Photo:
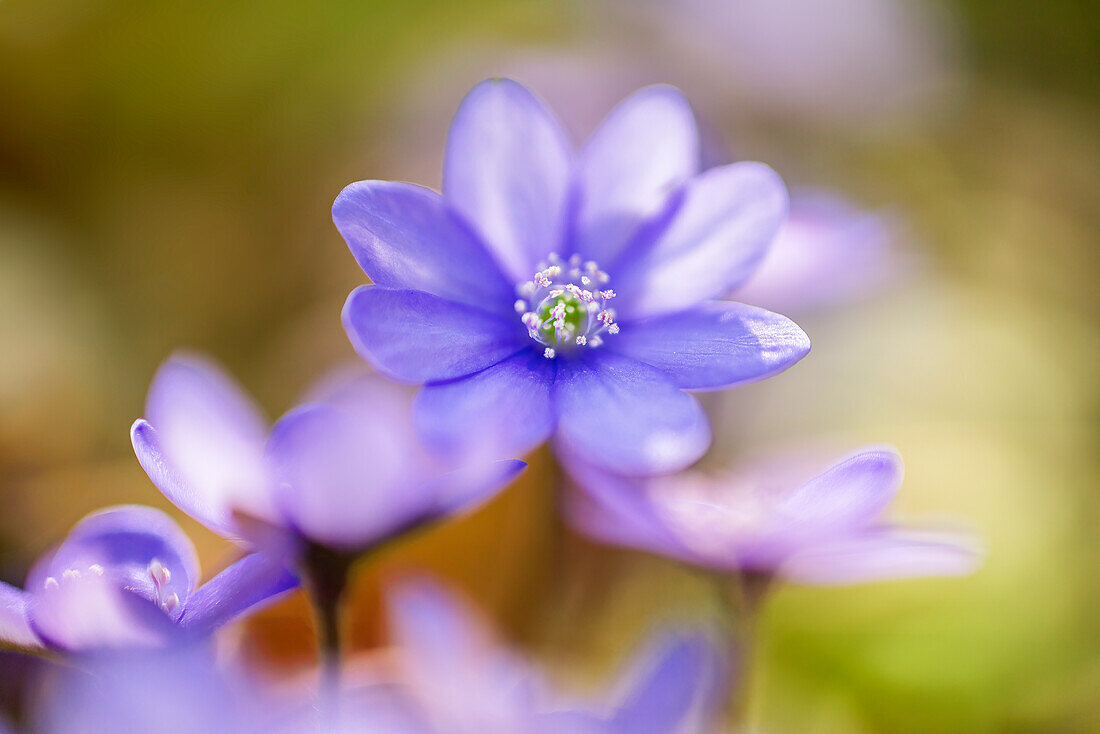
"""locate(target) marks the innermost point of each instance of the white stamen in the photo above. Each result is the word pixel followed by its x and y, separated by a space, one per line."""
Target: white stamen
pixel 563 305
pixel 171 602
pixel 50 583
pixel 70 573
pixel 96 569
pixel 160 575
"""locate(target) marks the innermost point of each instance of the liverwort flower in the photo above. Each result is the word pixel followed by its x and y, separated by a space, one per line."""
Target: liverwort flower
pixel 775 519
pixel 469 682
pixel 344 471
pixel 169 692
pixel 548 291
pixel 187 692
pixel 334 478
pixel 829 251
pixel 128 577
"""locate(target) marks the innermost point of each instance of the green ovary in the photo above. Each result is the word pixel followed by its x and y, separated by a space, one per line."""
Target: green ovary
pixel 576 319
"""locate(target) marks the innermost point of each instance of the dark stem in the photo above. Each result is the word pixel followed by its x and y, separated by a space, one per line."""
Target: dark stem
pixel 741 604
pixel 326 574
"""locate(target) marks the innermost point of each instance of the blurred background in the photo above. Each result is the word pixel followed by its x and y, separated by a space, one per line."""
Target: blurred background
pixel 166 175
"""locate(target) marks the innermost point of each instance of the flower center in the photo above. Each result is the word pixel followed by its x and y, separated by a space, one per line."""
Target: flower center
pixel 565 305
pixel 158 574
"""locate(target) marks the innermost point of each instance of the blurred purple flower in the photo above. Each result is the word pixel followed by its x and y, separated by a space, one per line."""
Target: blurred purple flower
pixel 468 682
pixel 772 520
pixel 828 252
pixel 126 577
pixel 344 471
pixel 856 62
pixel 184 692
pixel 552 292
pixel 173 692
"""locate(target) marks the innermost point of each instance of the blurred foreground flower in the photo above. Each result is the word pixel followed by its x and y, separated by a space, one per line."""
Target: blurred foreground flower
pixel 184 692
pixel 458 681
pixel 469 683
pixel 344 471
pixel 773 519
pixel 126 577
pixel 547 292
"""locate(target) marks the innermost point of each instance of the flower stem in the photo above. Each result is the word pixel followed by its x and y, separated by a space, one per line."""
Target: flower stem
pixel 741 604
pixel 327 577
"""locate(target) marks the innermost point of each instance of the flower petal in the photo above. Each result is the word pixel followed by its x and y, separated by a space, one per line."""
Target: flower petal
pixel 97 589
pixel 206 454
pixel 456 661
pixel 718 344
pixel 498 412
pixel 886 554
pixel 90 612
pixel 15 630
pixel 507 171
pixel 417 337
pixel 347 476
pixel 646 149
pixel 177 691
pixel 707 246
pixel 615 509
pixel 440 631
pixel 243 587
pixel 404 236
pixel 626 416
pixel 829 251
pixel 464 489
pixel 676 680
pixel 850 494
pixel 206 509
pixel 124 541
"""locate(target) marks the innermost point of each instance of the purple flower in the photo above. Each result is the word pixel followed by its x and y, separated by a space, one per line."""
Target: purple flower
pixel 548 291
pixel 344 471
pixel 128 577
pixel 468 682
pixel 173 692
pixel 185 692
pixel 855 62
pixel 773 519
pixel 828 251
